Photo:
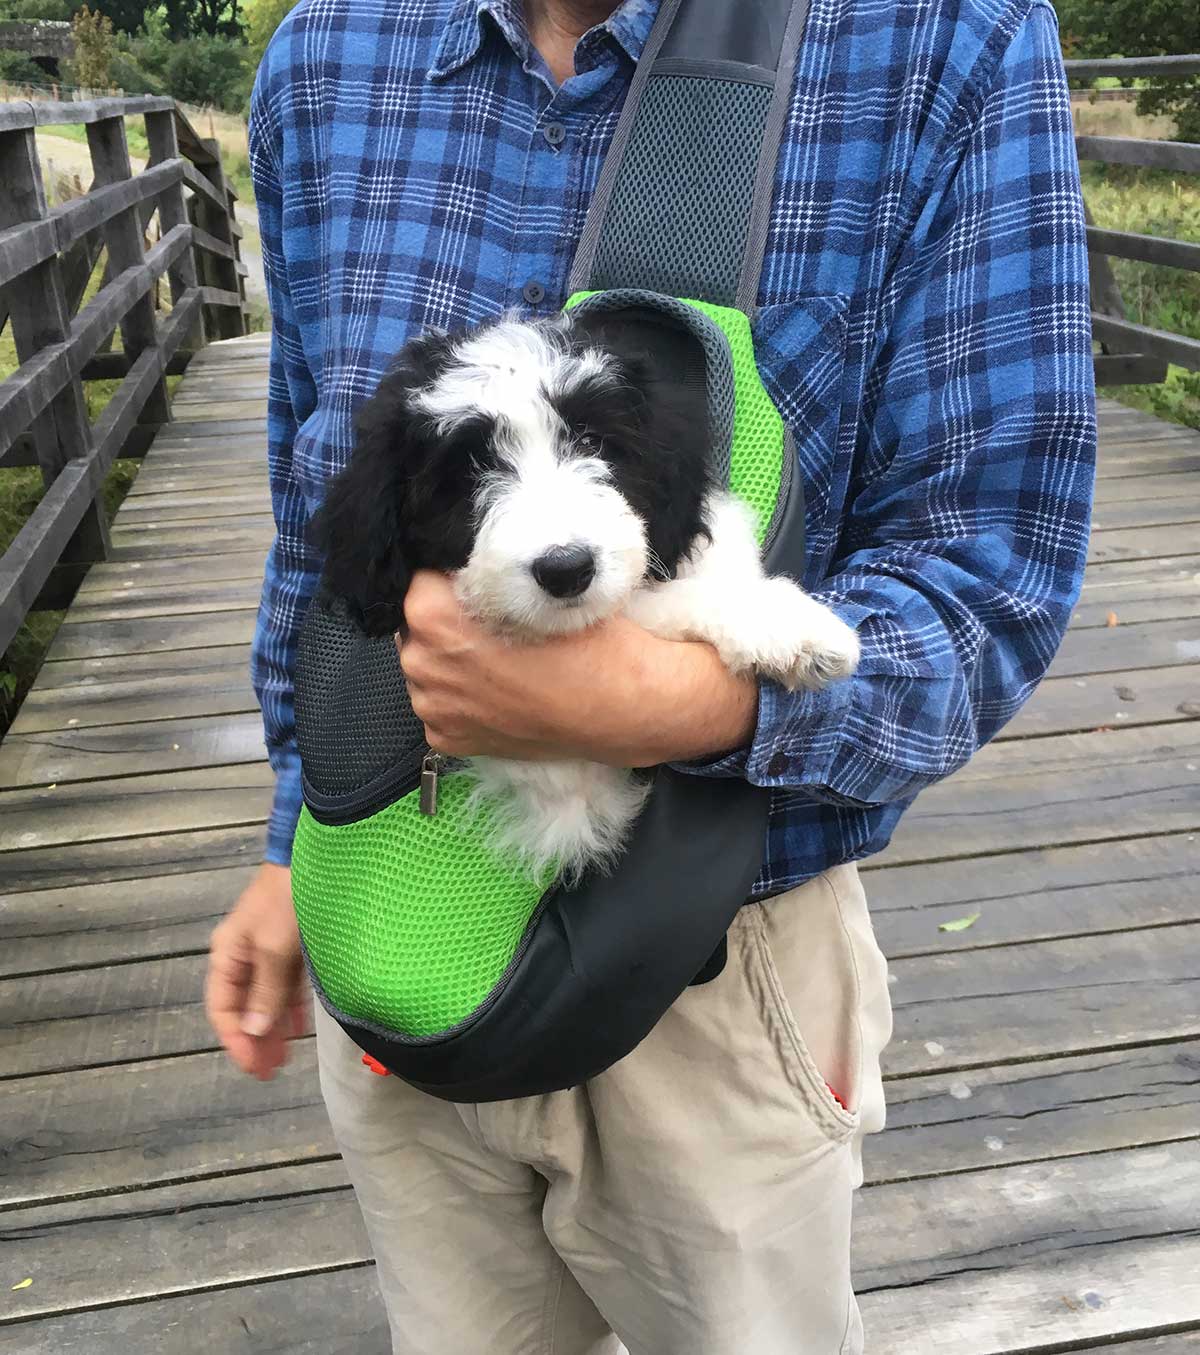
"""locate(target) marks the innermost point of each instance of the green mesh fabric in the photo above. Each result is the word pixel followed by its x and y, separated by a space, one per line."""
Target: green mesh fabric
pixel 409 922
pixel 756 463
pixel 756 460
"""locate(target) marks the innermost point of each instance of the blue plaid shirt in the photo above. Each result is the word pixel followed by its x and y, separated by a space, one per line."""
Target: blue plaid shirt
pixel 922 325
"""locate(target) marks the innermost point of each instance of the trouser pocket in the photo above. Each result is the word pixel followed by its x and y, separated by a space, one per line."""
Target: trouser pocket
pixel 820 983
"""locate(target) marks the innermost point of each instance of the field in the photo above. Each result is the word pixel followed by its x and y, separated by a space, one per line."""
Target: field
pixel 1149 202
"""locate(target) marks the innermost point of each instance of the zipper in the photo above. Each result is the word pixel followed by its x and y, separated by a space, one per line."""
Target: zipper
pixel 431 768
pixel 389 786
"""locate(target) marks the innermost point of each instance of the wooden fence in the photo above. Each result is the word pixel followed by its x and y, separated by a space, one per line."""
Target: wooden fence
pixel 176 217
pixel 1133 353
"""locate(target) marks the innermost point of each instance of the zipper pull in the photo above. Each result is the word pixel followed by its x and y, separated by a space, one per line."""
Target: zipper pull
pixel 431 767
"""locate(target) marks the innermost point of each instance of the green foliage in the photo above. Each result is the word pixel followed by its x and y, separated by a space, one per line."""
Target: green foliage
pixel 237 170
pixel 201 69
pixel 1153 202
pixel 129 75
pixel 57 10
pixel 94 49
pixel 262 18
pixel 127 15
pixel 18 69
pixel 1102 28
pixel 206 69
pixel 185 18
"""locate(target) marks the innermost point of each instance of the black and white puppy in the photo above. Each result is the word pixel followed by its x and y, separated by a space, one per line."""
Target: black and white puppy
pixel 560 473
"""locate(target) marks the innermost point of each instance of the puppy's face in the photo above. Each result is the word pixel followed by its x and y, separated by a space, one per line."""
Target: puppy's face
pixel 549 471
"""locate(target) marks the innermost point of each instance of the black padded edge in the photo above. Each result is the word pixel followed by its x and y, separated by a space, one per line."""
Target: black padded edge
pixel 754 41
pixel 750 32
pixel 764 186
pixel 605 960
pixel 589 240
pixel 784 550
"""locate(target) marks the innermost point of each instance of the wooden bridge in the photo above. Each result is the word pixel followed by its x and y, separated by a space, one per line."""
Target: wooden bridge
pixel 1037 1187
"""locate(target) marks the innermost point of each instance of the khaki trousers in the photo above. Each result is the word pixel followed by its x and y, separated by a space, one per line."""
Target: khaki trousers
pixel 693 1200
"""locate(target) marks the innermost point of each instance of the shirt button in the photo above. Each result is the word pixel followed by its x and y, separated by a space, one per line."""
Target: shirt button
pixel 534 293
pixel 555 133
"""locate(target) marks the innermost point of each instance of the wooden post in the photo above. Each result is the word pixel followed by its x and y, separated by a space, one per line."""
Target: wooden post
pixel 40 318
pixel 1107 300
pixel 229 320
pixel 172 210
pixel 123 237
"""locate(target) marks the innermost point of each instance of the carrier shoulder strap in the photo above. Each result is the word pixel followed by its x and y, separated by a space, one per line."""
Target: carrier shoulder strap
pixel 684 198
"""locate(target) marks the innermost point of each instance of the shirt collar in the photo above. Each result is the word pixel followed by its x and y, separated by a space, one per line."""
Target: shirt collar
pixel 629 26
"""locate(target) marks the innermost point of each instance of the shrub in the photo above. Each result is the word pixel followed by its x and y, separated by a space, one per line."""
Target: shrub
pixel 129 75
pixel 94 49
pixel 18 69
pixel 206 70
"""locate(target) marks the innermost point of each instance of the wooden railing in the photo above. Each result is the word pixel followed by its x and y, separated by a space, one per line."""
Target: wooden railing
pixel 47 257
pixel 1133 353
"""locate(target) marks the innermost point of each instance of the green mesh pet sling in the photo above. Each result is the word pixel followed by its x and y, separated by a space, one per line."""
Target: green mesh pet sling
pixel 450 968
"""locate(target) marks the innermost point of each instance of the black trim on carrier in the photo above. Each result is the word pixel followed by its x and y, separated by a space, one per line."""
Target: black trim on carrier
pixel 603 961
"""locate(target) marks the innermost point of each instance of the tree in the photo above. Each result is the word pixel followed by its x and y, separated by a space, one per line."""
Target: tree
pixel 263 17
pixel 94 48
pixel 127 15
pixel 1100 28
pixel 59 10
pixel 188 18
pixel 206 70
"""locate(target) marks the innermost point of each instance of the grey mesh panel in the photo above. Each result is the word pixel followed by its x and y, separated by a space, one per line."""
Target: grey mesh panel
pixel 354 720
pixel 718 375
pixel 684 194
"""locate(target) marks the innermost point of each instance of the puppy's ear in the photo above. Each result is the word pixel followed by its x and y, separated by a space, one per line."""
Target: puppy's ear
pixel 361 525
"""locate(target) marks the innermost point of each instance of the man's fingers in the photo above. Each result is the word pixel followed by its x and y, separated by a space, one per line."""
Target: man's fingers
pixel 228 977
pixel 230 969
pixel 271 990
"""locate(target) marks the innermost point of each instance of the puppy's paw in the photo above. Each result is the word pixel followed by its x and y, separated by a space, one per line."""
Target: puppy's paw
pixel 808 646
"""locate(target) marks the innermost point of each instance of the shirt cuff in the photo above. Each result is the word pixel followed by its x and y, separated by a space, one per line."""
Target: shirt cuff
pixel 285 809
pixel 797 745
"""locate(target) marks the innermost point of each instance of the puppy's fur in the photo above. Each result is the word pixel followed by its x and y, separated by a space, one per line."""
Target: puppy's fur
pixel 559 471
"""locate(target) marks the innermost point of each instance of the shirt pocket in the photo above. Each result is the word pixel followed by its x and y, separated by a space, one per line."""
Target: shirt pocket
pixel 800 349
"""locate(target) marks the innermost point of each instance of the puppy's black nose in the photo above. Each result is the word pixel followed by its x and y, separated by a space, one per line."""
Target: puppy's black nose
pixel 565 571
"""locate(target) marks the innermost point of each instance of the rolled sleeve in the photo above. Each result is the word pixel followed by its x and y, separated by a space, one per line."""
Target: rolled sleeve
pixel 963 552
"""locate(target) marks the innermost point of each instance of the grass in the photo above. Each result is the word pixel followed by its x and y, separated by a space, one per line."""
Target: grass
pixel 1148 202
pixel 230 131
pixel 1153 202
pixel 135 135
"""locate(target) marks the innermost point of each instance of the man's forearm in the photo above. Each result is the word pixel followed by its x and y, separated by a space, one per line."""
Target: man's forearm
pixel 614 694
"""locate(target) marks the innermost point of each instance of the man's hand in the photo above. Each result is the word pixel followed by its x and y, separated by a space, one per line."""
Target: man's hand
pixel 614 694
pixel 256 995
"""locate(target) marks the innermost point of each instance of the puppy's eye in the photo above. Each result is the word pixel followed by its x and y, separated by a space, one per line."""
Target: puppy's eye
pixel 589 443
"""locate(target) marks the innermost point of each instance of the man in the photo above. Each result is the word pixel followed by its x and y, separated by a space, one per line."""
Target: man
pixel 923 328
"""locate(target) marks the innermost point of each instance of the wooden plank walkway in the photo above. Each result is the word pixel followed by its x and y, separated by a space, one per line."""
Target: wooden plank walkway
pixel 1037 1188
